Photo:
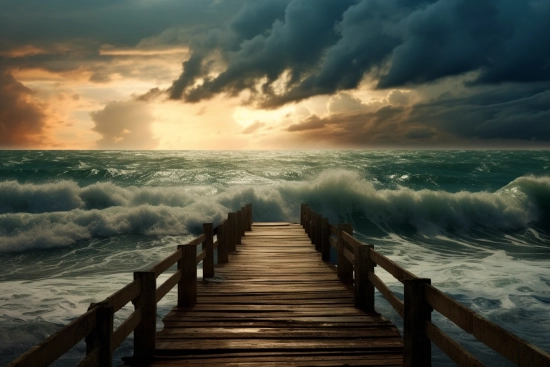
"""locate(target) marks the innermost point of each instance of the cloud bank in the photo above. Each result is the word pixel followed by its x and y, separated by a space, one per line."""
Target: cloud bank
pixel 287 51
pixel 22 121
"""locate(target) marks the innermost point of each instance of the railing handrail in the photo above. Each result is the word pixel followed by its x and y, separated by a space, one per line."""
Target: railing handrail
pixel 420 297
pixel 96 325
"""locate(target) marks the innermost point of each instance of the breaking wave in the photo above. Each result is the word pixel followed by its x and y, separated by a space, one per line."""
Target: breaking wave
pixel 35 216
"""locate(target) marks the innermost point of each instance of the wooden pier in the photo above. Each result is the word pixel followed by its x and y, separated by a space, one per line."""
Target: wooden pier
pixel 274 299
pixel 274 303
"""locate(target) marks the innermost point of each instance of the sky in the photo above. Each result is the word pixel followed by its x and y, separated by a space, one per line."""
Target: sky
pixel 274 74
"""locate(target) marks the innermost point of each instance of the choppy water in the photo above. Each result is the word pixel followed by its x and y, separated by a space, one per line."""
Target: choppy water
pixel 75 225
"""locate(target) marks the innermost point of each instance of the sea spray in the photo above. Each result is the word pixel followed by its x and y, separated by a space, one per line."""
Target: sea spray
pixel 63 213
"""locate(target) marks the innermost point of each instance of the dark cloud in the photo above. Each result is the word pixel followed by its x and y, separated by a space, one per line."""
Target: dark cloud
pixel 125 125
pixel 65 36
pixel 512 115
pixel 323 46
pixel 124 22
pixel 294 45
pixel 420 133
pixel 22 121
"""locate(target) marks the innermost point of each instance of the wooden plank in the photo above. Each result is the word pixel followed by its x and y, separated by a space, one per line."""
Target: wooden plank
pixel 196 241
pixel 395 302
pixel 276 302
pixel 201 256
pixel 391 267
pixel 58 343
pixel 308 324
pixel 179 346
pixel 126 328
pixel 120 298
pixel 338 358
pixel 168 285
pixel 451 348
pixel 349 256
pixel 502 341
pixel 166 263
pixel 277 333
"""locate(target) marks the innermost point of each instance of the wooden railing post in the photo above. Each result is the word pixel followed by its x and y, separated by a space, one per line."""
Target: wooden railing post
pixel 307 224
pixel 187 286
pixel 248 217
pixel 232 231
pixel 208 246
pixel 364 289
pixel 312 226
pixel 144 334
pixel 302 214
pixel 105 317
pixel 223 245
pixel 244 221
pixel 318 232
pixel 344 268
pixel 417 346
pixel 238 230
pixel 325 244
pixel 102 334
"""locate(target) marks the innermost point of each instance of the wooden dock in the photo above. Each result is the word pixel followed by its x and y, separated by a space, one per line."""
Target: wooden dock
pixel 274 299
pixel 276 303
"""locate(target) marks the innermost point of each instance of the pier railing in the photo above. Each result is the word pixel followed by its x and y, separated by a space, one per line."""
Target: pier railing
pixel 96 325
pixel 356 263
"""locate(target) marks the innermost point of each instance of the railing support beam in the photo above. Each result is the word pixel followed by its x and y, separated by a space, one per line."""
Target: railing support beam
pixel 232 224
pixel 223 245
pixel 325 244
pixel 249 217
pixel 105 317
pixel 208 246
pixel 417 346
pixel 187 286
pixel 318 231
pixel 238 227
pixel 144 334
pixel 364 289
pixel 345 268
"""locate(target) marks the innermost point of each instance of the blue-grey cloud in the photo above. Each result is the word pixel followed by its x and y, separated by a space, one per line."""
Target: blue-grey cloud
pixel 325 46
pixel 490 116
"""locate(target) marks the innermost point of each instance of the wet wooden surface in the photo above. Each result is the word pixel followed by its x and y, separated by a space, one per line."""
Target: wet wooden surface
pixel 276 303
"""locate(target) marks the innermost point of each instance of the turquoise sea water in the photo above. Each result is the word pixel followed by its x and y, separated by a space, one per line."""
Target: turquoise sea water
pixel 74 225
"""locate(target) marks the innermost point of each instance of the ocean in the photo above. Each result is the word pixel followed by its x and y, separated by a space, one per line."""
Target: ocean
pixel 74 225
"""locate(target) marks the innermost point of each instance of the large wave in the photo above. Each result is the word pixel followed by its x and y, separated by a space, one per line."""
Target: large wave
pixel 62 213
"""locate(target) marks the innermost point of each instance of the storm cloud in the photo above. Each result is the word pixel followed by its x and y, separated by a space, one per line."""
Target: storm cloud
pixel 502 117
pixel 22 120
pixel 320 47
pixel 389 71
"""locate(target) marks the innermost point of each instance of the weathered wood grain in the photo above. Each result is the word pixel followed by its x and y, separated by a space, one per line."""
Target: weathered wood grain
pixel 276 302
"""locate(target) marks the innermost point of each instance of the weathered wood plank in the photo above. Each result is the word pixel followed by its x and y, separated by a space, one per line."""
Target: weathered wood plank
pixel 276 302
pixel 180 346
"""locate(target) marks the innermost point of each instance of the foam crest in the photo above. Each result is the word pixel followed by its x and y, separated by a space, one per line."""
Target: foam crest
pixel 22 232
pixel 31 198
pixel 346 195
pixel 62 213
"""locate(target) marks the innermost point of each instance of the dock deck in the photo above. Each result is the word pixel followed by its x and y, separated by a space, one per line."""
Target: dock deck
pixel 274 299
pixel 276 303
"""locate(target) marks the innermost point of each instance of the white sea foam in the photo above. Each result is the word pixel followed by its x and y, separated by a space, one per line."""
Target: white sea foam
pixel 62 213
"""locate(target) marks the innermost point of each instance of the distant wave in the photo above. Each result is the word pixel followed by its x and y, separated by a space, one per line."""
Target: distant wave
pixel 61 213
